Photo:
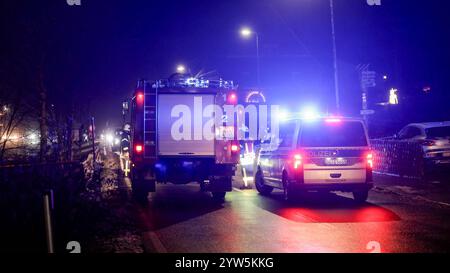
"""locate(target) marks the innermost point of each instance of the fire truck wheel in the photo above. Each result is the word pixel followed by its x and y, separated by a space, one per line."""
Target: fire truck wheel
pixel 140 194
pixel 361 196
pixel 259 184
pixel 219 195
pixel 140 197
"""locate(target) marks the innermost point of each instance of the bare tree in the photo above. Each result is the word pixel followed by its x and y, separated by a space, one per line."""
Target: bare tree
pixel 43 128
pixel 26 90
pixel 15 119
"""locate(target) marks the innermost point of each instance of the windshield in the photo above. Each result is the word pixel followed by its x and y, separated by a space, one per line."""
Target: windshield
pixel 438 132
pixel 343 134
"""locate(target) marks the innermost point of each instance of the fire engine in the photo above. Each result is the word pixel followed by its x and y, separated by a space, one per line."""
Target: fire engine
pixel 176 138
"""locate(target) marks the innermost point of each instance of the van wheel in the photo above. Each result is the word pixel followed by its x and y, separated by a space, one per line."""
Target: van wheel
pixel 361 196
pixel 259 184
pixel 289 193
pixel 140 196
pixel 139 191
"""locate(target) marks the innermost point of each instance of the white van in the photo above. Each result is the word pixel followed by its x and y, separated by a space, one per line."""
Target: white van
pixel 327 154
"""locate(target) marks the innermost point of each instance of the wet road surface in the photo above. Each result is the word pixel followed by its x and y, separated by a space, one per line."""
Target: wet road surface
pixel 180 218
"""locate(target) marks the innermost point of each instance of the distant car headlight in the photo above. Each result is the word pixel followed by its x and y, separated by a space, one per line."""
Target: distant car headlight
pixel 247 159
pixel 109 138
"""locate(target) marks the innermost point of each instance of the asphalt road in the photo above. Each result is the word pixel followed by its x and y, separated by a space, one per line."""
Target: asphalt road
pixel 182 219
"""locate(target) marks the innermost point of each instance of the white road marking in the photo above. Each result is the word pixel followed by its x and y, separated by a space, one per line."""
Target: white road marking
pixel 238 190
pixel 150 238
pixel 432 201
pixel 155 241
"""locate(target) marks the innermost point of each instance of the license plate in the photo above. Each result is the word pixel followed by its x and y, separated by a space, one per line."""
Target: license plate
pixel 335 161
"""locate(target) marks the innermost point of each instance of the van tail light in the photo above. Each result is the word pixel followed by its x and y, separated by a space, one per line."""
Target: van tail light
pixel 369 158
pixel 369 167
pixel 138 148
pixel 297 162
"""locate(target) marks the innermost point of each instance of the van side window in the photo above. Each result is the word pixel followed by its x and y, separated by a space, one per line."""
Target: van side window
pixel 287 132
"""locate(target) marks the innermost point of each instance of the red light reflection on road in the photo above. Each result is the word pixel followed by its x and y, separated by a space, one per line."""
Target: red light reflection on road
pixel 340 230
pixel 350 215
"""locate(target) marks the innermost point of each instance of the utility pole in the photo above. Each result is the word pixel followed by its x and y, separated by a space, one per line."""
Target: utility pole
pixel 367 80
pixel 93 139
pixel 335 65
pixel 257 60
pixel 69 137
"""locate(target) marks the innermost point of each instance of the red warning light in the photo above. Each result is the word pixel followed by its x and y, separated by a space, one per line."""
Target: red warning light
pixel 138 148
pixel 232 98
pixel 234 148
pixel 140 97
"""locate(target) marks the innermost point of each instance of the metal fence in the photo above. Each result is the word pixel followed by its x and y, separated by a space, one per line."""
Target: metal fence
pixel 398 157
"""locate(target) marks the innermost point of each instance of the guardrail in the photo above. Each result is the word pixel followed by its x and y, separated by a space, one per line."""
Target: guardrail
pixel 26 207
pixel 398 157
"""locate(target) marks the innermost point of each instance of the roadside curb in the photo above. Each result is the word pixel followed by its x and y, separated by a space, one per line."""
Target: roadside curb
pixel 409 195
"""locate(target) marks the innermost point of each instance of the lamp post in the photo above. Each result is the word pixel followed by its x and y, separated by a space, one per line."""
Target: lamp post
pixel 246 33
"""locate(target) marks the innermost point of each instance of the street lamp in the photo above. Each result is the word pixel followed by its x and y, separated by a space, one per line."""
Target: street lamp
pixel 247 33
pixel 181 69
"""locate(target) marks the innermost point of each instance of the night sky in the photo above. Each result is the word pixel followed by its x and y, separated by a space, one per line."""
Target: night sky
pixel 94 53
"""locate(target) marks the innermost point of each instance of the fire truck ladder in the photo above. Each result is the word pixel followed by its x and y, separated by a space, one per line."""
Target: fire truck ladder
pixel 150 122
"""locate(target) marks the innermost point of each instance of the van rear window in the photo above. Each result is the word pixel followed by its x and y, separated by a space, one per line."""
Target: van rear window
pixel 342 134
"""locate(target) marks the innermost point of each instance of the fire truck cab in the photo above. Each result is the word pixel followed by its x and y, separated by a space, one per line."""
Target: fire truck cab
pixel 177 136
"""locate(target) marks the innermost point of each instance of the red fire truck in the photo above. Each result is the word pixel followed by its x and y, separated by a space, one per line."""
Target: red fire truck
pixel 173 139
